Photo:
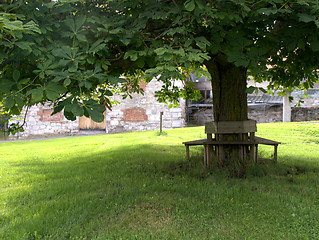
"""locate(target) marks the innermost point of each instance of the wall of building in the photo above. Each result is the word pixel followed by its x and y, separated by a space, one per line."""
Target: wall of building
pixel 39 122
pixel 140 113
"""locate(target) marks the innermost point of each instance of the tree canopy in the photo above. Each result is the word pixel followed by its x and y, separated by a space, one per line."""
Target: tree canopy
pixel 75 53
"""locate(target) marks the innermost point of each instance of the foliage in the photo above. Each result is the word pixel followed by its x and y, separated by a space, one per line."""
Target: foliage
pixel 76 56
pixel 138 186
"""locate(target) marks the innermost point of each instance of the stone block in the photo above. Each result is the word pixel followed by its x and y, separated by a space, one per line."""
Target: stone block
pixel 176 123
pixel 114 122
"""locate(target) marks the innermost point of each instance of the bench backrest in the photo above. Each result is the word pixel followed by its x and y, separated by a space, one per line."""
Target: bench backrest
pixel 229 127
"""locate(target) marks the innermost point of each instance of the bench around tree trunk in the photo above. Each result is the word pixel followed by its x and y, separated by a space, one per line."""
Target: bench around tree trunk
pixel 231 127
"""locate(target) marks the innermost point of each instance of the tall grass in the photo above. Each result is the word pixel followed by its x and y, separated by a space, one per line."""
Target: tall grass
pixel 139 186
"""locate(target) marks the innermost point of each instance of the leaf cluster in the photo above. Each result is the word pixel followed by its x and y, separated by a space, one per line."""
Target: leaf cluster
pixel 75 53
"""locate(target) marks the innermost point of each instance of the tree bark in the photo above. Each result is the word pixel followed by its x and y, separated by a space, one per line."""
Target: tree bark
pixel 229 89
pixel 230 104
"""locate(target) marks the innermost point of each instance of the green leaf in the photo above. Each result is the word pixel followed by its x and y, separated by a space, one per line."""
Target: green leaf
pixel 77 110
pixel 52 95
pixel 15 111
pixel 79 22
pixel 125 41
pixel 201 4
pixel 95 116
pixel 57 109
pixel 88 85
pixel 14 25
pixel 250 90
pixel 60 52
pixel 262 90
pixel 266 11
pixel 117 31
pixel 53 90
pixel 140 63
pixel 67 82
pixel 24 45
pixel 97 46
pixel 306 17
pixel 315 46
pixel 36 94
pixel 19 101
pixel 69 115
pixel 70 24
pixel 108 93
pixel 189 5
pixel 16 75
pixel 131 54
pixel 52 86
pixel 9 102
pixel 160 51
pixel 115 80
pixel 81 37
pixel 202 42
pixel 32 26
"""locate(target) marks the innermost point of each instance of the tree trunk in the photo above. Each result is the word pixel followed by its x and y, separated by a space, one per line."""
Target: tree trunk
pixel 230 104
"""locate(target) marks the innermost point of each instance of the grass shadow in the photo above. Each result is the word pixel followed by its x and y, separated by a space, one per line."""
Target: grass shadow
pixel 146 190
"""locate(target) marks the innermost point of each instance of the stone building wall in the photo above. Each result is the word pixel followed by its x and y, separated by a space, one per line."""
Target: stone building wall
pixel 142 112
pixel 39 122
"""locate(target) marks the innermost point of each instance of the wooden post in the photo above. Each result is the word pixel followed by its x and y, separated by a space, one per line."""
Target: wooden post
pixel 256 153
pixel 161 122
pixel 205 154
pixel 187 153
pixel 252 147
pixel 275 153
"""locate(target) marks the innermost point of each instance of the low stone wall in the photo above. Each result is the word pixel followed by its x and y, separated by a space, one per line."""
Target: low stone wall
pixel 262 114
pixel 274 114
pixel 265 114
pixel 305 114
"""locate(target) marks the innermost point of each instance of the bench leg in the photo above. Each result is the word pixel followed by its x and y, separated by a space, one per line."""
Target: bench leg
pixel 252 153
pixel 256 153
pixel 205 155
pixel 187 153
pixel 275 153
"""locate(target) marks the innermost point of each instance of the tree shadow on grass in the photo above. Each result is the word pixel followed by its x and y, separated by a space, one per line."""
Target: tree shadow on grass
pixel 108 190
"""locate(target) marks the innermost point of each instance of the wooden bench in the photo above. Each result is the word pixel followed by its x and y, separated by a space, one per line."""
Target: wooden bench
pixel 231 127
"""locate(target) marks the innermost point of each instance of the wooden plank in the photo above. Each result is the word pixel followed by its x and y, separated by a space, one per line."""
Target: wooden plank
pixel 266 141
pixel 230 127
pixel 195 142
pixel 257 140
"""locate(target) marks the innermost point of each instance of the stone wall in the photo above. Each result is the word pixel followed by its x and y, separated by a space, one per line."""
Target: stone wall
pixel 142 112
pixel 265 114
pixel 262 114
pixel 274 114
pixel 39 122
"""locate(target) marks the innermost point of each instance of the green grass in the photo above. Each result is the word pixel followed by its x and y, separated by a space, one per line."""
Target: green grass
pixel 138 186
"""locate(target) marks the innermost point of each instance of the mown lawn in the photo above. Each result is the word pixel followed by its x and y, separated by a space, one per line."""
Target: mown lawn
pixel 139 186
